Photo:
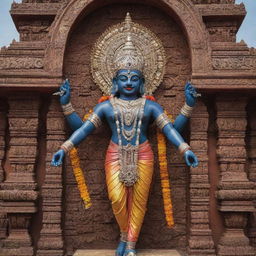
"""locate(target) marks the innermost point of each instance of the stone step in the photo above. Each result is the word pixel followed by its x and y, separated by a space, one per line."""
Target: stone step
pixel 146 252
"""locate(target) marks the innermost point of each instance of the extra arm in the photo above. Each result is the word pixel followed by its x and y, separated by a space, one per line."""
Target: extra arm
pixel 183 117
pixel 73 119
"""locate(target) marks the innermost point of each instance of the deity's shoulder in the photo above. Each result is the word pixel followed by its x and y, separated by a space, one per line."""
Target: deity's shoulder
pixel 102 107
pixel 153 106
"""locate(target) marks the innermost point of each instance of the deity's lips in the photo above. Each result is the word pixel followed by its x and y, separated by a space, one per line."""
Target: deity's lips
pixel 128 88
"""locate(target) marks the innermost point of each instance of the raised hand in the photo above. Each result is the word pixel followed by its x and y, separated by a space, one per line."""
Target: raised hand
pixel 190 158
pixel 190 94
pixel 57 158
pixel 65 88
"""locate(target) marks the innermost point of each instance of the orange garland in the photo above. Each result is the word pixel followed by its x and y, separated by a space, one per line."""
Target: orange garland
pixel 165 183
pixel 78 172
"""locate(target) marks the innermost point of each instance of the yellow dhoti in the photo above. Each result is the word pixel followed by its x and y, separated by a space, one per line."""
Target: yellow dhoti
pixel 129 203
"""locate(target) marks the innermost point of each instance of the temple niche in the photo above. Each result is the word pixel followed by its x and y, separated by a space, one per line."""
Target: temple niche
pixel 41 212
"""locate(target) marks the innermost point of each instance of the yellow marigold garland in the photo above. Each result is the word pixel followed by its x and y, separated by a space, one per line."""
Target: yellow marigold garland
pixel 78 172
pixel 165 183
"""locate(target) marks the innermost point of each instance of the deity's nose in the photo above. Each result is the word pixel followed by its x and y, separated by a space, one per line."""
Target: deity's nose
pixel 129 82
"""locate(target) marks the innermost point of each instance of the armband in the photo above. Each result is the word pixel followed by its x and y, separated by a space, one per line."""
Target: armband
pixel 162 120
pixel 183 147
pixel 67 146
pixel 67 109
pixel 94 118
pixel 186 110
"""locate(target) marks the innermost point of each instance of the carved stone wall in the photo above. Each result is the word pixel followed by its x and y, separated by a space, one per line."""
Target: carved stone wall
pixel 41 212
pixel 94 228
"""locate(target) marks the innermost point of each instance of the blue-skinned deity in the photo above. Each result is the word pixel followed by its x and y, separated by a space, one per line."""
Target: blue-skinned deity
pixel 128 63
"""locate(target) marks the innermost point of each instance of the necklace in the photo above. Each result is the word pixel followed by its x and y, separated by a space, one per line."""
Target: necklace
pixel 129 113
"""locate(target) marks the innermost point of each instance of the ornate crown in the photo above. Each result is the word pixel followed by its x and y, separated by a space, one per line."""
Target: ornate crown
pixel 128 45
pixel 128 57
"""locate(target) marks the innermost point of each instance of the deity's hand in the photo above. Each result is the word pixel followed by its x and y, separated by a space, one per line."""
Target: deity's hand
pixel 58 158
pixel 65 88
pixel 190 158
pixel 190 94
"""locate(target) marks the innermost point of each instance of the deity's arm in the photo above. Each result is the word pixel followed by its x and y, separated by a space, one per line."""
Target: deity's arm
pixel 186 111
pixel 80 134
pixel 73 119
pixel 172 134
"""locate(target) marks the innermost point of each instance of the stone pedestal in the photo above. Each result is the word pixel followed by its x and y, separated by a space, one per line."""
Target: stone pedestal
pixel 145 252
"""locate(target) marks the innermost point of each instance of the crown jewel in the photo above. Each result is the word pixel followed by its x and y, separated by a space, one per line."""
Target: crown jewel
pixel 128 57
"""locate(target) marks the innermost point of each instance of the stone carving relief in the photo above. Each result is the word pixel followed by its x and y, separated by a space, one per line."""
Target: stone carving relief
pixel 236 62
pixel 21 63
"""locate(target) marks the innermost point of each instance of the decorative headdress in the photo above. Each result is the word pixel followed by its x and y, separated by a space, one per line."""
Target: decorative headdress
pixel 128 45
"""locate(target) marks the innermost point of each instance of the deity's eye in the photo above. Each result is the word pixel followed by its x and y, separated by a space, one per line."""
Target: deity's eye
pixel 135 78
pixel 122 78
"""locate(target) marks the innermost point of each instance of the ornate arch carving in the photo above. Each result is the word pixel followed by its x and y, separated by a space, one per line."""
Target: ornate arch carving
pixel 183 10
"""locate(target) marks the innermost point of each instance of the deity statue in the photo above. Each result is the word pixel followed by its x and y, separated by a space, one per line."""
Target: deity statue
pixel 128 63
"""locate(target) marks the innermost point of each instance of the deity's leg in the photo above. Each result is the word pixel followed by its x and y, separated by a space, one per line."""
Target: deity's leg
pixel 139 196
pixel 118 194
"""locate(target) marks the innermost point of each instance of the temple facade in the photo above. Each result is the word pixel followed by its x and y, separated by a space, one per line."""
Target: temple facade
pixel 41 212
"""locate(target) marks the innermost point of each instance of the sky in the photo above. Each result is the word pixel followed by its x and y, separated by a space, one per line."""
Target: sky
pixel 247 31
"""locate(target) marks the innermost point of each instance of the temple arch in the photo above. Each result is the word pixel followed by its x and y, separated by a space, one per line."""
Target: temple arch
pixel 183 11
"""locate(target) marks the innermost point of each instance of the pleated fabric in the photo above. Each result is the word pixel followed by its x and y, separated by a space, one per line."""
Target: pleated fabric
pixel 129 203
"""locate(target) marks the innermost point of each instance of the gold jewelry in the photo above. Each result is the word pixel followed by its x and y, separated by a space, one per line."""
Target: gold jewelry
pixel 94 118
pixel 130 245
pixel 67 146
pixel 67 109
pixel 186 110
pixel 183 147
pixel 162 120
pixel 130 46
pixel 123 236
pixel 128 154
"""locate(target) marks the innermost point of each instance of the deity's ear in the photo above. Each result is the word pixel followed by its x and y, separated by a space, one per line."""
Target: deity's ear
pixel 142 88
pixel 114 88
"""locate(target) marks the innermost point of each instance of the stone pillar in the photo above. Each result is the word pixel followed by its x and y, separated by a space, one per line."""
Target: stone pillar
pixel 200 241
pixel 51 240
pixel 252 162
pixel 18 189
pixel 236 193
pixel 3 219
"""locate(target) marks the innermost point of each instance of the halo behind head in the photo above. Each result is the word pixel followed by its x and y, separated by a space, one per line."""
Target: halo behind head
pixel 128 45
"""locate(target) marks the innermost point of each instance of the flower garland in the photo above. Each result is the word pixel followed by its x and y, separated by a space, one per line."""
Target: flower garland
pixel 78 173
pixel 165 183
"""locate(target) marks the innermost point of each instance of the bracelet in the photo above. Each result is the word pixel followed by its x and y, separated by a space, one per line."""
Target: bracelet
pixel 94 118
pixel 162 120
pixel 67 146
pixel 186 110
pixel 67 109
pixel 183 147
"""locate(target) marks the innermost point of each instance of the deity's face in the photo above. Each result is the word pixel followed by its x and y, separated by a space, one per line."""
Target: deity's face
pixel 129 82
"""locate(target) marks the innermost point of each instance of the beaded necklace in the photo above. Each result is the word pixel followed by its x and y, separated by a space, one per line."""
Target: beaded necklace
pixel 129 113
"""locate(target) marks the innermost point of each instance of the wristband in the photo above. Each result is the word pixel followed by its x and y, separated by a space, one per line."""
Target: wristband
pixel 67 146
pixel 186 110
pixel 183 147
pixel 67 109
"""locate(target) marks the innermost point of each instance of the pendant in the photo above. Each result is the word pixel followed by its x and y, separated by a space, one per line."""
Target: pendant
pixel 128 157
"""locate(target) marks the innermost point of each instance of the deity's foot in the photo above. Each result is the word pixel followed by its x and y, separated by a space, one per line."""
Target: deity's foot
pixel 120 248
pixel 130 252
